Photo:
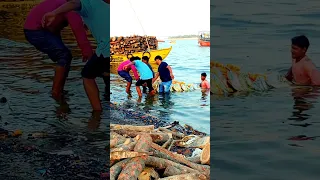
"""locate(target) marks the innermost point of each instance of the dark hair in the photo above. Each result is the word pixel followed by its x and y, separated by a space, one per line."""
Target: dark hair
pixel 146 58
pixel 300 41
pixel 134 58
pixel 204 74
pixel 158 57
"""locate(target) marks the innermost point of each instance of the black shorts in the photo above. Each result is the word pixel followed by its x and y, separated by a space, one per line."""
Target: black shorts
pixel 96 67
pixel 140 82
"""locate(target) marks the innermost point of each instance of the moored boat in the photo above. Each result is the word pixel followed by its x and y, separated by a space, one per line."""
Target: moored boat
pixel 151 54
pixel 204 39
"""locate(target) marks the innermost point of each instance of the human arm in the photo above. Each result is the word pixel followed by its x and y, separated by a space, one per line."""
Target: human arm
pixel 289 75
pixel 313 73
pixel 78 29
pixel 129 65
pixel 73 5
pixel 135 72
pixel 170 70
pixel 155 78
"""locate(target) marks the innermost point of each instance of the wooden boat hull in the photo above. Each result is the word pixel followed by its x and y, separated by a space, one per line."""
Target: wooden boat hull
pixel 153 53
pixel 204 43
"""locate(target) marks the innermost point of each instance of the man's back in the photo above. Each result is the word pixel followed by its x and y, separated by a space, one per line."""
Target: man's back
pixel 144 70
pixel 96 15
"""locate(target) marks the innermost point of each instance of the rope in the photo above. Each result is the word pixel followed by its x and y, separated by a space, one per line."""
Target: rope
pixel 140 25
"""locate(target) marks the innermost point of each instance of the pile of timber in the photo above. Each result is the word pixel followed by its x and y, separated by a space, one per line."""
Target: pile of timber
pixel 131 44
pixel 145 153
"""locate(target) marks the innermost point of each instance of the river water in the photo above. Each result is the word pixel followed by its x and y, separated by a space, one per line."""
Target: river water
pixel 273 135
pixel 188 61
pixel 25 81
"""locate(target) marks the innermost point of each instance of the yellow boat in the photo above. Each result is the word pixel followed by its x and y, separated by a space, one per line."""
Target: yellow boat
pixel 151 54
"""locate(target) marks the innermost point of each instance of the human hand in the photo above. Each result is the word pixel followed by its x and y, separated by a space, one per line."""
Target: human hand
pixel 172 76
pixel 48 18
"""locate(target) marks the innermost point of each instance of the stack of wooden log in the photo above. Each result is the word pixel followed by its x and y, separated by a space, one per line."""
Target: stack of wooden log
pixel 145 153
pixel 131 44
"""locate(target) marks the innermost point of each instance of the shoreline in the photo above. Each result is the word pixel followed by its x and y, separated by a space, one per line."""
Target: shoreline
pixel 189 38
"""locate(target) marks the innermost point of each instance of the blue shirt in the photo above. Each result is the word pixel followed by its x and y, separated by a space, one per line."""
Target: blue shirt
pixel 143 69
pixel 96 15
pixel 151 69
pixel 164 72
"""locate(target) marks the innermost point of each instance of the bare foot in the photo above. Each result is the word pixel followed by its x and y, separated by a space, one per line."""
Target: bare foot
pixel 128 92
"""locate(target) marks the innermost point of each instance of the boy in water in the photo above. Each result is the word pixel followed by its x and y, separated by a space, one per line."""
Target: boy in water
pixel 124 73
pixel 165 73
pixel 96 15
pixel 145 59
pixel 204 83
pixel 302 71
pixel 145 75
pixel 48 39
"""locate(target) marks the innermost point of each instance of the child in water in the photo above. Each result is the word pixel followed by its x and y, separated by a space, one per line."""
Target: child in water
pixel 302 71
pixel 145 59
pixel 204 83
pixel 96 15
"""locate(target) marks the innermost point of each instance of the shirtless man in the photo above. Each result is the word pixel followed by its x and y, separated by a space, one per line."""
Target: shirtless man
pixel 204 83
pixel 302 71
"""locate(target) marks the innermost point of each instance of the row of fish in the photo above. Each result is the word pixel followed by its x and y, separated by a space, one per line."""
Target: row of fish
pixel 229 79
pixel 176 86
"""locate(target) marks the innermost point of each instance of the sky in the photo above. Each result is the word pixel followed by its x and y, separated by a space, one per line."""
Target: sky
pixel 159 18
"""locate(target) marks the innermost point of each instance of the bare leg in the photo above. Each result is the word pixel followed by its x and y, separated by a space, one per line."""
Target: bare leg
pixel 152 93
pixel 58 82
pixel 92 91
pixel 66 74
pixel 139 91
pixel 128 87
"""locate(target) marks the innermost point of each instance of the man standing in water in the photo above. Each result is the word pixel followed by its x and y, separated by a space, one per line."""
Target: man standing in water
pixel 146 75
pixel 96 15
pixel 49 41
pixel 302 71
pixel 166 75
pixel 145 59
pixel 125 73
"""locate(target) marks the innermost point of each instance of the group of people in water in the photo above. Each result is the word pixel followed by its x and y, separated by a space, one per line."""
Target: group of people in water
pixel 148 77
pixel 43 27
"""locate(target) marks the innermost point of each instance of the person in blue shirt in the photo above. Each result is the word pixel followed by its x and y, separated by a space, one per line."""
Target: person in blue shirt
pixel 165 73
pixel 96 15
pixel 146 75
pixel 145 59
